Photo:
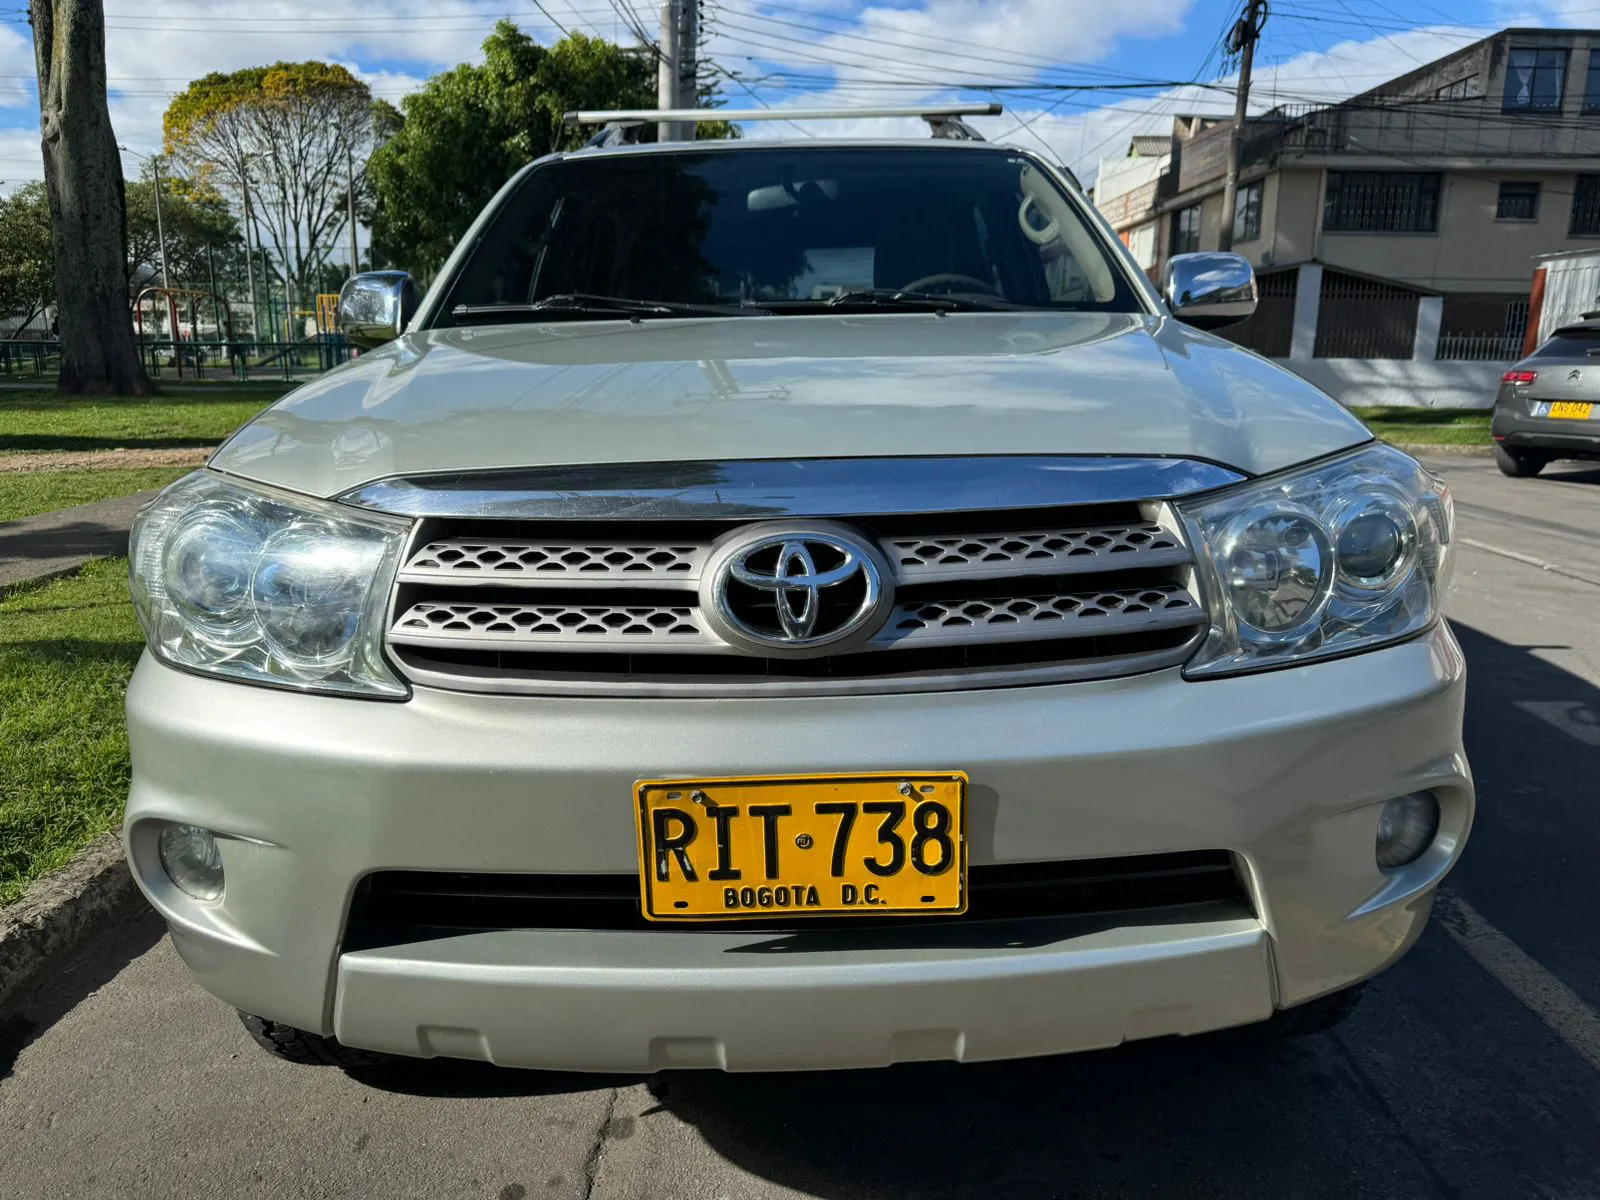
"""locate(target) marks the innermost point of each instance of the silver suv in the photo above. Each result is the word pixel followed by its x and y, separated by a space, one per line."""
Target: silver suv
pixel 794 605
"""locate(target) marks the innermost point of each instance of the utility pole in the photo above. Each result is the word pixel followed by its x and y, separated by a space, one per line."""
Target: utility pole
pixel 1242 40
pixel 676 68
pixel 161 233
pixel 250 259
pixel 350 166
pixel 688 62
pixel 667 69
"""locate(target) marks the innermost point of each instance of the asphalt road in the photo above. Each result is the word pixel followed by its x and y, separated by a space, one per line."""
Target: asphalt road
pixel 1473 1068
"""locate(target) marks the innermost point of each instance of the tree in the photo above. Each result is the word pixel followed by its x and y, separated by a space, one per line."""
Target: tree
pixel 83 178
pixel 27 256
pixel 201 234
pixel 280 142
pixel 472 127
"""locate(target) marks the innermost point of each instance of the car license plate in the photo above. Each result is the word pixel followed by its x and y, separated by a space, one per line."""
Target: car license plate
pixel 1571 410
pixel 871 845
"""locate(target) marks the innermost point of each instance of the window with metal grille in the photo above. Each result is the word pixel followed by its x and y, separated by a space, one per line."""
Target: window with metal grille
pixel 1591 88
pixel 1247 212
pixel 1381 202
pixel 1586 207
pixel 1186 230
pixel 1535 80
pixel 1518 202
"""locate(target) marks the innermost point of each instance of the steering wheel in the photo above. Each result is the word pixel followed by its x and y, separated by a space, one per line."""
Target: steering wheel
pixel 917 285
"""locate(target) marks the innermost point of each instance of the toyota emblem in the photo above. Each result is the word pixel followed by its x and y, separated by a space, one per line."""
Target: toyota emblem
pixel 795 591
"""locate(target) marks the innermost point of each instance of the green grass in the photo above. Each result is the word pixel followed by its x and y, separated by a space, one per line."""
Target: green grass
pixel 26 493
pixel 41 420
pixel 1429 426
pixel 66 650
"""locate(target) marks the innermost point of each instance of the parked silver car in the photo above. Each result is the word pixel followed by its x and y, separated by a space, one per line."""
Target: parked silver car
pixel 794 605
pixel 1549 403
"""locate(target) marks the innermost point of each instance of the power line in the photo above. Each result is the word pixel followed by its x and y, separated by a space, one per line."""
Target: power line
pixel 940 51
pixel 565 32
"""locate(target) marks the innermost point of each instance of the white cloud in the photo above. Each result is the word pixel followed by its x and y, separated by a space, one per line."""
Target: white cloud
pixel 391 44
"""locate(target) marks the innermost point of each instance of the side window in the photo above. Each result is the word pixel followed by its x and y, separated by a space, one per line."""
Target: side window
pixel 1247 212
pixel 1535 80
pixel 1186 230
pixel 1519 201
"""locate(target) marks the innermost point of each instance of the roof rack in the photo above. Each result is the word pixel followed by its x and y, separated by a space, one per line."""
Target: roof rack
pixel 944 120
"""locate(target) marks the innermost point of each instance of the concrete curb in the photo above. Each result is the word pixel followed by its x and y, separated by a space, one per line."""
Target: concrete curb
pixel 1419 448
pixel 20 585
pixel 60 911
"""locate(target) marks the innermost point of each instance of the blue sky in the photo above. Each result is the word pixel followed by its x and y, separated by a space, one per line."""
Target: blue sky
pixel 1053 59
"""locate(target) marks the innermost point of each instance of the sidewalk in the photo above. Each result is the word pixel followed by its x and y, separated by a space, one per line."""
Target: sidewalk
pixel 58 543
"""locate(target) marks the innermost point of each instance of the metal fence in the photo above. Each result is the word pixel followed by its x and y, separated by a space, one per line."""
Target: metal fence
pixel 1479 347
pixel 25 358
pixel 1270 329
pixel 1365 318
pixel 188 359
pixel 1393 127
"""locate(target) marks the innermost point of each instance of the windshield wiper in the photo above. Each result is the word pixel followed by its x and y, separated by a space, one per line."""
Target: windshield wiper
pixel 898 299
pixel 584 304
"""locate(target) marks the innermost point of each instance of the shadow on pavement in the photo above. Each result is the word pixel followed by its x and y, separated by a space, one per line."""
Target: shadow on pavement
pixel 1572 471
pixel 454 1079
pixel 75 977
pixel 1533 738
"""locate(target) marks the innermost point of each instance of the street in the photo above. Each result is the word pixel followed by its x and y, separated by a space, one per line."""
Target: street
pixel 1472 1069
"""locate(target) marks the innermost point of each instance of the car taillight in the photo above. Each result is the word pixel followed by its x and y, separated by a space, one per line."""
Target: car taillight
pixel 1519 377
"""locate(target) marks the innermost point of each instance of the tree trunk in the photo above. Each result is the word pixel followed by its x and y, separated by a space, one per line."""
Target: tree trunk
pixel 83 174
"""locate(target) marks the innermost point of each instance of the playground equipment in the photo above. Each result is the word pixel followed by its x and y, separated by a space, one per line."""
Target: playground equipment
pixel 172 295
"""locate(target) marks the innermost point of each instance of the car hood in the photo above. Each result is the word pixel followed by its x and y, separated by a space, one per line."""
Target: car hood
pixel 787 387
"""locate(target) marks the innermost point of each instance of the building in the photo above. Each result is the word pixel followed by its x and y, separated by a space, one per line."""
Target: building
pixel 1401 223
pixel 1125 191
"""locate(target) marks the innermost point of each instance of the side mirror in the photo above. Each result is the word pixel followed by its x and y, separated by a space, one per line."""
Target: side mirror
pixel 375 307
pixel 1209 290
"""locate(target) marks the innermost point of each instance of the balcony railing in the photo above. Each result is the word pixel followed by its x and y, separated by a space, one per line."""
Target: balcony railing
pixel 1471 128
pixel 1479 347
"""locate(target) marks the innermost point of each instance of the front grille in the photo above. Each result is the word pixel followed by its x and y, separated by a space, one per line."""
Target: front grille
pixel 397 906
pixel 980 599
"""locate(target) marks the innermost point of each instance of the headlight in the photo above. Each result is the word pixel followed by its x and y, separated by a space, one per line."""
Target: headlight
pixel 1344 555
pixel 266 586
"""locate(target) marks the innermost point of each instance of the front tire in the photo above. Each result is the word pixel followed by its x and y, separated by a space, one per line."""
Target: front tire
pixel 1520 464
pixel 310 1049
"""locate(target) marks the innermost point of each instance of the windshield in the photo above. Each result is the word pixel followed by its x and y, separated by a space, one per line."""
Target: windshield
pixel 789 229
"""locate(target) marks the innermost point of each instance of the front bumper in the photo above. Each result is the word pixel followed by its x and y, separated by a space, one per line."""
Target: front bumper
pixel 1286 769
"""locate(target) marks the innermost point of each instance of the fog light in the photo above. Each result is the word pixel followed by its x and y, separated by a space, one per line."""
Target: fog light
pixel 190 859
pixel 1406 828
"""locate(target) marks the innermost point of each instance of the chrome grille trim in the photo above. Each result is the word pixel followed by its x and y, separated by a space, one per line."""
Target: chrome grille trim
pixel 1037 552
pixel 1038 618
pixel 645 686
pixel 995 572
pixel 556 563
pixel 629 629
pixel 652 629
pixel 677 563
pixel 813 487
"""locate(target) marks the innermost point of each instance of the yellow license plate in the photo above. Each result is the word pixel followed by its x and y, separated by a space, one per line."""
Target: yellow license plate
pixel 1572 410
pixel 872 845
